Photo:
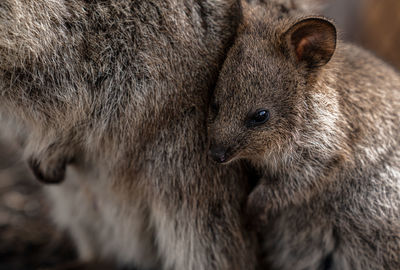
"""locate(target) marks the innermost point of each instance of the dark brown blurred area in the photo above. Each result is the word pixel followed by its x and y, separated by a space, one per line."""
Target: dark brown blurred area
pixel 380 29
pixel 28 239
pixel 372 24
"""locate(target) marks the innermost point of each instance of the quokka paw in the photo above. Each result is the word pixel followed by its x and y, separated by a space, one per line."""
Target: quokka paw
pixel 49 171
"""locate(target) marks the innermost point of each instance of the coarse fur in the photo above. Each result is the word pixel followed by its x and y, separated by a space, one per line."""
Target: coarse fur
pixel 110 98
pixel 284 6
pixel 329 154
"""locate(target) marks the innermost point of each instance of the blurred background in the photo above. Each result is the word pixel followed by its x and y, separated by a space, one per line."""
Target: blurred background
pixel 28 239
pixel 372 24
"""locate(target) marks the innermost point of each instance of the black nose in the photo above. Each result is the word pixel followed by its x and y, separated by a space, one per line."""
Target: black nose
pixel 218 153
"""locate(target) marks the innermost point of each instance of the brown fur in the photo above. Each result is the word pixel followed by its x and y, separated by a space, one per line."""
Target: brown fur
pixel 112 96
pixel 329 154
pixel 380 29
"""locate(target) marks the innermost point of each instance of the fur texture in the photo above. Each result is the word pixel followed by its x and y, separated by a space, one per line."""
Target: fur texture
pixel 329 153
pixel 112 96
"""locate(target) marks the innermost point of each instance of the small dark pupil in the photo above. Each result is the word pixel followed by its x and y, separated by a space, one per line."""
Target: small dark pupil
pixel 260 116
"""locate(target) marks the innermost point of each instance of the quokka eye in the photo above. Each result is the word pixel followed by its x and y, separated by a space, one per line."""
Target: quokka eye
pixel 258 118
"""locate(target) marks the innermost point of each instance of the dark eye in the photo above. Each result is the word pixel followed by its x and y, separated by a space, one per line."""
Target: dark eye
pixel 258 118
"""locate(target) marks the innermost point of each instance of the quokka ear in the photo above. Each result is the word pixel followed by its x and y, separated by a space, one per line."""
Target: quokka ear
pixel 311 41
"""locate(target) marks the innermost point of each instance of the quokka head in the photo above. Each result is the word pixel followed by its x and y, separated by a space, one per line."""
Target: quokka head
pixel 259 104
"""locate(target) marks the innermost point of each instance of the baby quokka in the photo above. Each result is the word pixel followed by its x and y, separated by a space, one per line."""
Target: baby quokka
pixel 320 120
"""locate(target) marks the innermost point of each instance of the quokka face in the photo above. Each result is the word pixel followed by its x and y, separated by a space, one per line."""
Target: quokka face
pixel 259 104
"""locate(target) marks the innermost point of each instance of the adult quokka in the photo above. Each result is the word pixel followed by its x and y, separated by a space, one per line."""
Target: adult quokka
pixel 111 97
pixel 320 120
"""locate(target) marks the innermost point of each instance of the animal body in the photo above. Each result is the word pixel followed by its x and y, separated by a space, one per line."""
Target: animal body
pixel 320 121
pixel 110 99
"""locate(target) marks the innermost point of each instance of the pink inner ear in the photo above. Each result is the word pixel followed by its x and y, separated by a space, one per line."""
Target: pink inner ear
pixel 300 48
pixel 308 43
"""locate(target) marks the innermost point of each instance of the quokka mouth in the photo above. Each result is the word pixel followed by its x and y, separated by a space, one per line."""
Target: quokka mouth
pixel 224 161
pixel 222 155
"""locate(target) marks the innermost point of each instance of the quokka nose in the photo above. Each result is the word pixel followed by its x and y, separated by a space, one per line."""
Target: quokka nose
pixel 218 153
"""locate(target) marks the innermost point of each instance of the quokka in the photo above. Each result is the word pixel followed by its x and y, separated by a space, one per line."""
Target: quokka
pixel 111 97
pixel 320 120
